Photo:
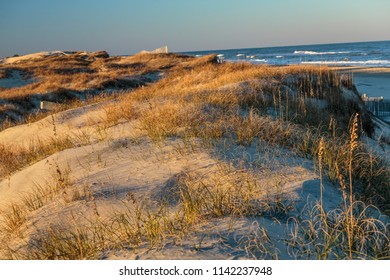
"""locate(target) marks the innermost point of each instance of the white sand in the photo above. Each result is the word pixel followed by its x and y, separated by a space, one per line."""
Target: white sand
pixel 373 84
pixel 118 166
pixel 16 59
pixel 121 159
pixel 372 81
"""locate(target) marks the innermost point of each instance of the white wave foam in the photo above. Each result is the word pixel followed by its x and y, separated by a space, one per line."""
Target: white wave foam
pixel 279 56
pixel 318 53
pixel 259 60
pixel 350 62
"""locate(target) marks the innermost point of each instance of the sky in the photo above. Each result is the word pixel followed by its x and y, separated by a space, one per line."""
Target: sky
pixel 127 26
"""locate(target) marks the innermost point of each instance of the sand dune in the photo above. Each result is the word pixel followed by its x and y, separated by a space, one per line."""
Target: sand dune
pixel 211 161
pixel 116 167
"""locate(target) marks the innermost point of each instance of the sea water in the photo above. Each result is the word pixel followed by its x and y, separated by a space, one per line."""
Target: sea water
pixel 362 54
pixel 365 54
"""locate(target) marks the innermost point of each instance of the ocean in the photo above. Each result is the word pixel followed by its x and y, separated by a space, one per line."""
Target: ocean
pixel 364 54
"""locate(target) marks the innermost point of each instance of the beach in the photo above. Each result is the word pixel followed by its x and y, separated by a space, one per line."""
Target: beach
pixel 188 158
pixel 194 139
pixel 374 82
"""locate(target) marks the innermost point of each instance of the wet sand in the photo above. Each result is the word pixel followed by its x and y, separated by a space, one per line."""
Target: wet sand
pixel 374 82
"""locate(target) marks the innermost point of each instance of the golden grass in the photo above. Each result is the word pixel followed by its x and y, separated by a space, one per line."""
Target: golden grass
pixel 13 157
pixel 75 73
pixel 208 105
pixel 327 235
pixel 64 78
pixel 200 98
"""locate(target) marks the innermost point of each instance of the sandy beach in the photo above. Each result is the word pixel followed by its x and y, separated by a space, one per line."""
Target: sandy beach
pixel 372 81
pixel 194 139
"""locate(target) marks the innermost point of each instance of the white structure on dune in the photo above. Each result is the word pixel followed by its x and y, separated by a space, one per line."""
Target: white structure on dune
pixel 163 49
pixel 49 106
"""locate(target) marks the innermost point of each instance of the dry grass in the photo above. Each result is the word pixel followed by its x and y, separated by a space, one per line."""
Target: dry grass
pixel 15 215
pixel 231 192
pixel 202 98
pixel 355 231
pixel 327 235
pixel 277 105
pixel 78 73
pixel 216 108
pixel 13 158
pixel 64 79
pixel 142 222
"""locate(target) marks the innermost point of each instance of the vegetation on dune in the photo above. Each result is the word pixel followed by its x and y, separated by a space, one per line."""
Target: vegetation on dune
pixel 68 77
pixel 312 112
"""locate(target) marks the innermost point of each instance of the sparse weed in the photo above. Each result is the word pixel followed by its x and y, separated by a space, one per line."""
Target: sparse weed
pixel 258 244
pixel 67 243
pixel 328 235
pixel 13 157
pixel 230 193
pixel 202 106
pixel 13 218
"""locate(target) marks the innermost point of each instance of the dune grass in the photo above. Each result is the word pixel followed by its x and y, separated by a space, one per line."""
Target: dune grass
pixel 64 79
pixel 309 111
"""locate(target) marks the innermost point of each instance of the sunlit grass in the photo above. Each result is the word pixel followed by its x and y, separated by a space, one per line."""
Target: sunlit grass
pixel 216 108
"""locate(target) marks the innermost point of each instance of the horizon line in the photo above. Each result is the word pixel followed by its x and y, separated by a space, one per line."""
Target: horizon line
pixel 283 46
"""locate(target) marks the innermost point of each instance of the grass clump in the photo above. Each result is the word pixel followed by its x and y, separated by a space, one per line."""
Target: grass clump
pixel 231 192
pixel 352 233
pixel 355 231
pixel 75 243
pixel 218 109
pixel 12 157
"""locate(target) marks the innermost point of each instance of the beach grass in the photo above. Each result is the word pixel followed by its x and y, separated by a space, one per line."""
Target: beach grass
pixel 201 106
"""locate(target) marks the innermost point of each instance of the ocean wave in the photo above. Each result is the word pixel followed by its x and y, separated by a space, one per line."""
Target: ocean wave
pixel 350 62
pixel 318 53
pixel 259 60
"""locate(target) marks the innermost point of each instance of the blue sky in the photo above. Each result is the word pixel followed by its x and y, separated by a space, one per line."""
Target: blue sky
pixel 126 27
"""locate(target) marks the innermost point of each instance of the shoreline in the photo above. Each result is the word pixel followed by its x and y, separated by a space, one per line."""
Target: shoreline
pixel 373 81
pixel 361 69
